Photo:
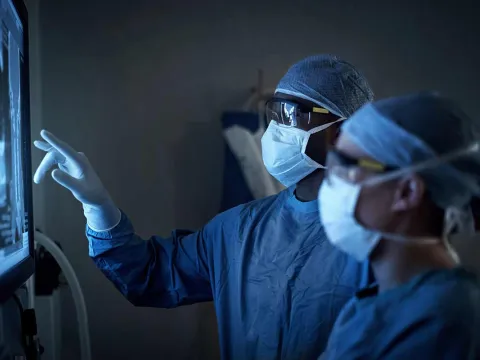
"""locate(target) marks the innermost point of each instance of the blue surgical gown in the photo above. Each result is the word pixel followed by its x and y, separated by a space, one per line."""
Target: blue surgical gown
pixel 276 282
pixel 434 316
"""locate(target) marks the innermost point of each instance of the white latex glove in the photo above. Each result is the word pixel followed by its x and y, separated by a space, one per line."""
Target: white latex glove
pixel 77 175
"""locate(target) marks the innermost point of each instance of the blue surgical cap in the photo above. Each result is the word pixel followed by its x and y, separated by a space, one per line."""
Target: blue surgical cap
pixel 406 130
pixel 329 82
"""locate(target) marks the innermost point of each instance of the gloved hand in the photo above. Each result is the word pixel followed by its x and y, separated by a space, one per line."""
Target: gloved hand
pixel 77 175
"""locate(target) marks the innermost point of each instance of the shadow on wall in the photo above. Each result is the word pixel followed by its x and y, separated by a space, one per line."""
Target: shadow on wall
pixel 192 178
pixel 195 142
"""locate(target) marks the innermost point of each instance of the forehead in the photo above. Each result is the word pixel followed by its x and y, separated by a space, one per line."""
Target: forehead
pixel 347 146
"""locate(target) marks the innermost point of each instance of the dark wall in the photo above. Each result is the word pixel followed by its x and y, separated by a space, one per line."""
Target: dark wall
pixel 139 86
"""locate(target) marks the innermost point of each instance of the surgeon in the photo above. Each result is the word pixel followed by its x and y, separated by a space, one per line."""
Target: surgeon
pixel 398 181
pixel 276 282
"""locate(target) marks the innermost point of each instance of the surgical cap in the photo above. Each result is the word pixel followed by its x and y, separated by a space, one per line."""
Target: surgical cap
pixel 329 82
pixel 407 130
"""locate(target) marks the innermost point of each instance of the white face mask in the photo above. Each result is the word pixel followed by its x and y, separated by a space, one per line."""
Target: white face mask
pixel 337 201
pixel 283 151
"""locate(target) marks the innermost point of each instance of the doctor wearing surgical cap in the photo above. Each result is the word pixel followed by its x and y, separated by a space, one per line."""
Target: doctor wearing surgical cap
pixel 398 183
pixel 276 282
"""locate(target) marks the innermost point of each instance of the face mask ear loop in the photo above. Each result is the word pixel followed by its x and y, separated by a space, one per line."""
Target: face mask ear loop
pixel 324 126
pixel 314 131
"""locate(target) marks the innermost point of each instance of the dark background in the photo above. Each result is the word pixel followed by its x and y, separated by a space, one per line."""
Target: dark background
pixel 140 86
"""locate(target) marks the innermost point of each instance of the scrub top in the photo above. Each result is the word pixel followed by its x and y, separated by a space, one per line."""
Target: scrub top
pixel 434 316
pixel 276 281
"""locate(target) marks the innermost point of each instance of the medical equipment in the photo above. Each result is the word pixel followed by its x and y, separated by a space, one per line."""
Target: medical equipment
pixel 11 327
pixel 18 333
pixel 16 234
pixel 77 294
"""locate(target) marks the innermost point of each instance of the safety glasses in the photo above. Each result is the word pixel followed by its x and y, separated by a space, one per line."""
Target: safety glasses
pixel 354 170
pixel 290 113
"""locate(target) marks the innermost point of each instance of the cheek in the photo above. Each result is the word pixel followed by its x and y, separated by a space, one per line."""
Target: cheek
pixel 332 134
pixel 373 208
pixel 316 147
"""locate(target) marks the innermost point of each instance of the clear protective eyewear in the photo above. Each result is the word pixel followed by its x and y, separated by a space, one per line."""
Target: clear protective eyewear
pixel 290 113
pixel 371 172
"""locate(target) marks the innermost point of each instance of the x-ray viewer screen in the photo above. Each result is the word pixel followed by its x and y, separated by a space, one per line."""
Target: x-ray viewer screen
pixel 13 215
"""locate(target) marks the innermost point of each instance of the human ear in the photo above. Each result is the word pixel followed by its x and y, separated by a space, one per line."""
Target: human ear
pixel 409 193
